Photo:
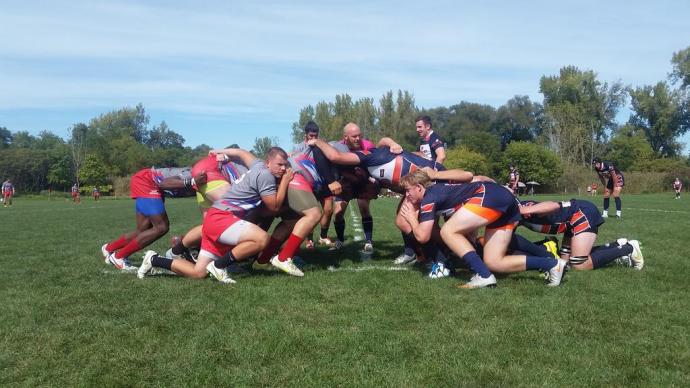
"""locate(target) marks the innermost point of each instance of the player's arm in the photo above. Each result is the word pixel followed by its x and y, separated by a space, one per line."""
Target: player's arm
pixel 455 174
pixel 421 230
pixel 244 157
pixel 335 156
pixel 390 143
pixel 545 207
pixel 440 154
pixel 274 202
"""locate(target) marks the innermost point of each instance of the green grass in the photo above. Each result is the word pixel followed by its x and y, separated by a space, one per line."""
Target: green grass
pixel 70 320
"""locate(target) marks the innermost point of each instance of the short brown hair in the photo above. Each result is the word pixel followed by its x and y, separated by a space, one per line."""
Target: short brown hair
pixel 418 177
pixel 273 151
pixel 425 119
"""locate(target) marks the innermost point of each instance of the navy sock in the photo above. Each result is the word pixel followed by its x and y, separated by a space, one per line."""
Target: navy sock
pixel 519 243
pixel 368 226
pixel 409 241
pixel 224 262
pixel 324 232
pixel 602 256
pixel 339 226
pixel 542 263
pixel 606 204
pixel 431 251
pixel 617 200
pixel 161 262
pixel 476 264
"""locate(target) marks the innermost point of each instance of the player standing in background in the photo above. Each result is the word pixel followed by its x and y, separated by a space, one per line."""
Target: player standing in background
pixel 613 181
pixel 514 179
pixel 7 193
pixel 147 189
pixel 76 197
pixel 431 146
pixel 96 193
pixel 677 187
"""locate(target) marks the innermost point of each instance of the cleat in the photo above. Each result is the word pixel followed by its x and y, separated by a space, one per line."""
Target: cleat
pixel 309 244
pixel 286 266
pixel 129 267
pixel 405 259
pixel 368 248
pixel 170 255
pixel 636 255
pixel 338 245
pixel 605 214
pixel 552 247
pixel 556 274
pixel 439 270
pixel 118 263
pixel 326 241
pixel 105 253
pixel 220 274
pixel 618 214
pixel 146 265
pixel 624 261
pixel 621 241
pixel 479 282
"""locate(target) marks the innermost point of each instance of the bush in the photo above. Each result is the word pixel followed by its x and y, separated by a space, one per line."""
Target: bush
pixel 466 159
pixel 121 186
pixel 533 161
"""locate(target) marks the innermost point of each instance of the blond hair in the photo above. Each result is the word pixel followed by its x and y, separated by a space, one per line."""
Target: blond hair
pixel 418 177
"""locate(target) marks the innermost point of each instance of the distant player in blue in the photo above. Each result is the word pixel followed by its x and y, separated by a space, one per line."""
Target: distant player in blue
pixel 431 146
pixel 612 180
pixel 578 221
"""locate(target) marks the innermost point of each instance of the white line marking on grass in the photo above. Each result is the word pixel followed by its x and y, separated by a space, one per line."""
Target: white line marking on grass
pixel 368 268
pixel 356 225
pixel 657 210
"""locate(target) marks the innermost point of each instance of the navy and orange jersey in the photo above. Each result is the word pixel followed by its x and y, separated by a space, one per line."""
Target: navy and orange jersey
pixel 574 217
pixel 429 145
pixel 388 168
pixel 606 168
pixel 445 198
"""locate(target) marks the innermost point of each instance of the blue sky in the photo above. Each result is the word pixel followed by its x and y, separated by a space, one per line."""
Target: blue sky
pixel 226 72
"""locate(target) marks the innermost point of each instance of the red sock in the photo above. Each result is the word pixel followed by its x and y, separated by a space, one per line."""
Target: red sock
pixel 130 248
pixel 117 244
pixel 290 248
pixel 269 251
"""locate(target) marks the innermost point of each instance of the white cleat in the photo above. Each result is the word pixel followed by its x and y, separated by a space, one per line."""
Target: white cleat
pixel 556 273
pixel 105 253
pixel 622 241
pixel 118 263
pixel 605 214
pixel 636 255
pixel 170 255
pixel 146 265
pixel 286 266
pixel 405 259
pixel 220 274
pixel 439 270
pixel 368 248
pixel 479 282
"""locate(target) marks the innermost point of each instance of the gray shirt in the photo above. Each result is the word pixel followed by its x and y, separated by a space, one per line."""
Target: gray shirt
pixel 245 194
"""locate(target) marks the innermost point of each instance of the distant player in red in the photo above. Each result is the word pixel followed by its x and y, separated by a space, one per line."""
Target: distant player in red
pixel 677 187
pixel 96 193
pixel 76 198
pixel 7 193
pixel 147 189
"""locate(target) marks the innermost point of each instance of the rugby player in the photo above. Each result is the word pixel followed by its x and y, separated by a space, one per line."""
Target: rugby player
pixel 96 192
pixel 431 146
pixel 76 197
pixel 613 181
pixel 7 193
pixel 514 179
pixel 578 221
pixel 147 188
pixel 469 207
pixel 677 187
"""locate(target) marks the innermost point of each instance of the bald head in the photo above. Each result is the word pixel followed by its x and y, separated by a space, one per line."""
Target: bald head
pixel 352 136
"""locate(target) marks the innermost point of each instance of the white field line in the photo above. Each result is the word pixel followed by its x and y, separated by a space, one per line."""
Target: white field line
pixel 657 210
pixel 368 268
pixel 356 225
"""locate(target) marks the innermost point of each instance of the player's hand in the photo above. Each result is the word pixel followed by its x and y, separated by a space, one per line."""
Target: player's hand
pixel 200 179
pixel 396 148
pixel 335 188
pixel 288 174
pixel 311 142
pixel 408 212
pixel 430 172
pixel 220 158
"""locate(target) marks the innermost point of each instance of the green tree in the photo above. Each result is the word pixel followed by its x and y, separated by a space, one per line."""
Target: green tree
pixel 5 138
pixel 535 162
pixel 681 68
pixel 366 116
pixel 305 115
pixel 628 147
pixel 262 145
pixel 662 114
pixel 468 160
pixel 518 119
pixel 162 136
pixel 92 172
pixel 23 139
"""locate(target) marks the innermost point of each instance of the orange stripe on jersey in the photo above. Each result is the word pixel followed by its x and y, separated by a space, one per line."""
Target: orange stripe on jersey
pixel 475 201
pixel 488 214
pixel 577 217
pixel 395 179
pixel 581 227
pixel 545 229
pixel 505 227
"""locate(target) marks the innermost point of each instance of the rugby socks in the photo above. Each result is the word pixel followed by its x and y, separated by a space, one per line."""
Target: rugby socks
pixel 269 251
pixel 519 243
pixel 324 232
pixel 117 244
pixel 617 200
pixel 409 241
pixel 606 204
pixel 130 248
pixel 476 264
pixel 339 226
pixel 542 263
pixel 290 248
pixel 179 249
pixel 224 262
pixel 602 256
pixel 368 226
pixel 161 262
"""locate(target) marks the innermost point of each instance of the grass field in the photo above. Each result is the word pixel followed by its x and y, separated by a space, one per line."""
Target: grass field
pixel 70 320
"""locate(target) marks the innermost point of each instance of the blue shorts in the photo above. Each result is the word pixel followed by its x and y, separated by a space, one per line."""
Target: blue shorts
pixel 149 206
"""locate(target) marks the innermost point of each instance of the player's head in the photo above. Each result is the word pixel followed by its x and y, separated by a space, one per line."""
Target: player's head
pixel 311 130
pixel 511 166
pixel 277 161
pixel 415 185
pixel 423 125
pixel 596 162
pixel 352 136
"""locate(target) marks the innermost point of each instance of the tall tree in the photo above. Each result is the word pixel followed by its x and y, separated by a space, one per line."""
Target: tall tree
pixel 662 114
pixel 305 115
pixel 5 138
pixel 681 68
pixel 262 145
pixel 162 136
pixel 518 119
pixel 78 147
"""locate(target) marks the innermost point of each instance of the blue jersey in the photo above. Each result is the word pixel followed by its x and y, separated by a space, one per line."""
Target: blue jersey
pixel 573 217
pixel 388 168
pixel 430 144
pixel 444 198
